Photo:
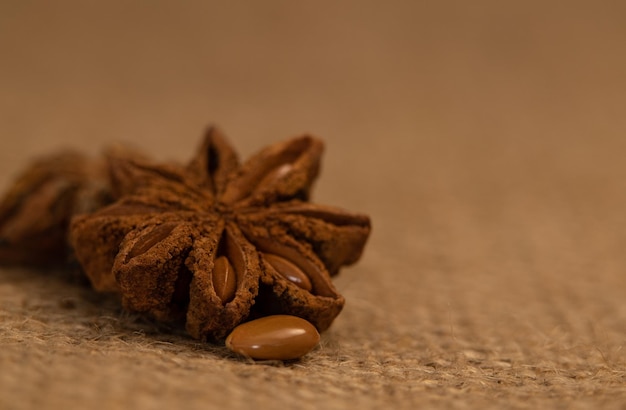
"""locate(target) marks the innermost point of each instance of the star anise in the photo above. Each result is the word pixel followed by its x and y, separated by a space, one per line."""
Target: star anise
pixel 218 243
pixel 35 212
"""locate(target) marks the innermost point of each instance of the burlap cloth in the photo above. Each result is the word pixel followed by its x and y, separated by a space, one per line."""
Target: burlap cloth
pixel 486 141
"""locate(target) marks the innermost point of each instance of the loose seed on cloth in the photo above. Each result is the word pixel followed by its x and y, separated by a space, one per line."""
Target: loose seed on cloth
pixel 277 337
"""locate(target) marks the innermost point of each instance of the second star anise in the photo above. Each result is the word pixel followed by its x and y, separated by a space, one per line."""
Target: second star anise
pixel 217 243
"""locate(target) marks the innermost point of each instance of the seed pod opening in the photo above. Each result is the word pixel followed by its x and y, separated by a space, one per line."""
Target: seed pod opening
pixel 228 268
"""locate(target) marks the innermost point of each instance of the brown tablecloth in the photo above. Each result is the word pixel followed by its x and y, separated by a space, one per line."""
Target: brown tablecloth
pixel 486 140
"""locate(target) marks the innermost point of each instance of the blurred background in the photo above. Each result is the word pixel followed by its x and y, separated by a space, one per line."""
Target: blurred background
pixel 397 80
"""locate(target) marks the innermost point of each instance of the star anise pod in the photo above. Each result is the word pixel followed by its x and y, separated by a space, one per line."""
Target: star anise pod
pixel 218 243
pixel 36 210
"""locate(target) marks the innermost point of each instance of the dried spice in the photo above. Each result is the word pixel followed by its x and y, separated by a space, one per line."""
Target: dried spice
pixel 217 243
pixel 214 243
pixel 36 211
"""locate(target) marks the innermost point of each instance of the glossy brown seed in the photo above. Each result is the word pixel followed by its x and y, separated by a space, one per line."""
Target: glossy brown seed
pixel 289 270
pixel 224 279
pixel 278 337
